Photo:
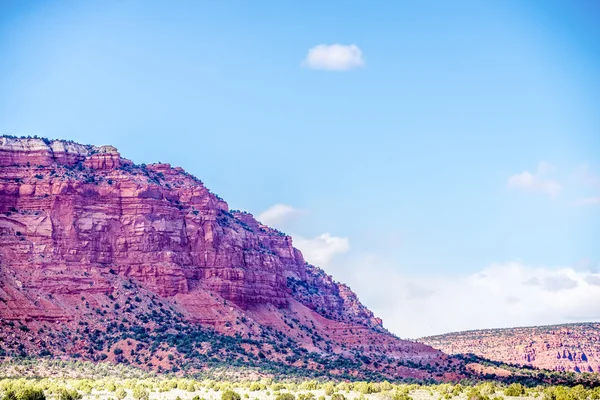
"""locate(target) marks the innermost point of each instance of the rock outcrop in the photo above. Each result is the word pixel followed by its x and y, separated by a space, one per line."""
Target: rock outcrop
pixel 570 347
pixel 82 229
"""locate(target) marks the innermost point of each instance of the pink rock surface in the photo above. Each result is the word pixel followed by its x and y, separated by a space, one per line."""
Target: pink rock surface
pixel 572 347
pixel 75 221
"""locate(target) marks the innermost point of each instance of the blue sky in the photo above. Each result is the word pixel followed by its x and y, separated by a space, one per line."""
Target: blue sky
pixel 404 161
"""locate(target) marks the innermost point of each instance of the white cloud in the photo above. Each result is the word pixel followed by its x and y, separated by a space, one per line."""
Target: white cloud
pixel 544 167
pixel 334 57
pixel 537 181
pixel 586 264
pixel 588 201
pixel 586 176
pixel 320 250
pixel 279 215
pixel 593 280
pixel 500 295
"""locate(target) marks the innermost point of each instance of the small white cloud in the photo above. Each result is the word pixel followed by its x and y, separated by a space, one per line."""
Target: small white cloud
pixel 536 182
pixel 279 215
pixel 321 249
pixel 334 57
pixel 588 201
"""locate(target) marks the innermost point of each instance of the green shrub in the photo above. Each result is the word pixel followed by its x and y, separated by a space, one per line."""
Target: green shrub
pixel 385 386
pixel 514 389
pixel 256 386
pixel 329 389
pixel 342 386
pixel 456 390
pixel 338 396
pixel 230 395
pixel 31 394
pixel 362 387
pixel 401 395
pixel 10 395
pixel 474 394
pixel 564 393
pixel 120 393
pixel 309 385
pixel 578 392
pixel 140 393
pixel 69 395
pixel 285 396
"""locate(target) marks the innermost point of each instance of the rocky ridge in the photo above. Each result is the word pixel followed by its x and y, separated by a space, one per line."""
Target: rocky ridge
pixel 569 347
pixel 101 258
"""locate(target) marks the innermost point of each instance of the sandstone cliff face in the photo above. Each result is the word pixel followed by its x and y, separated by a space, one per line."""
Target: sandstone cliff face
pixel 79 222
pixel 65 204
pixel 572 347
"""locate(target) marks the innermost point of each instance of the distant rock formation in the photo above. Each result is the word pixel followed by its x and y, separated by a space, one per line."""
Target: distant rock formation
pixel 569 347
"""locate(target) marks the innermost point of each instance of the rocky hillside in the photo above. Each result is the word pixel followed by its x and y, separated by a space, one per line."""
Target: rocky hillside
pixel 571 347
pixel 103 259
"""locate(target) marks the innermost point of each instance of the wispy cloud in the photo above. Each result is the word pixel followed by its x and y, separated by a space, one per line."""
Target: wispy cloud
pixel 319 250
pixel 588 201
pixel 536 181
pixel 334 57
pixel 585 176
pixel 279 215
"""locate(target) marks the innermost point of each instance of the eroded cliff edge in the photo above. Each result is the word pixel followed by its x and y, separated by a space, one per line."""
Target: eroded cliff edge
pixel 84 231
